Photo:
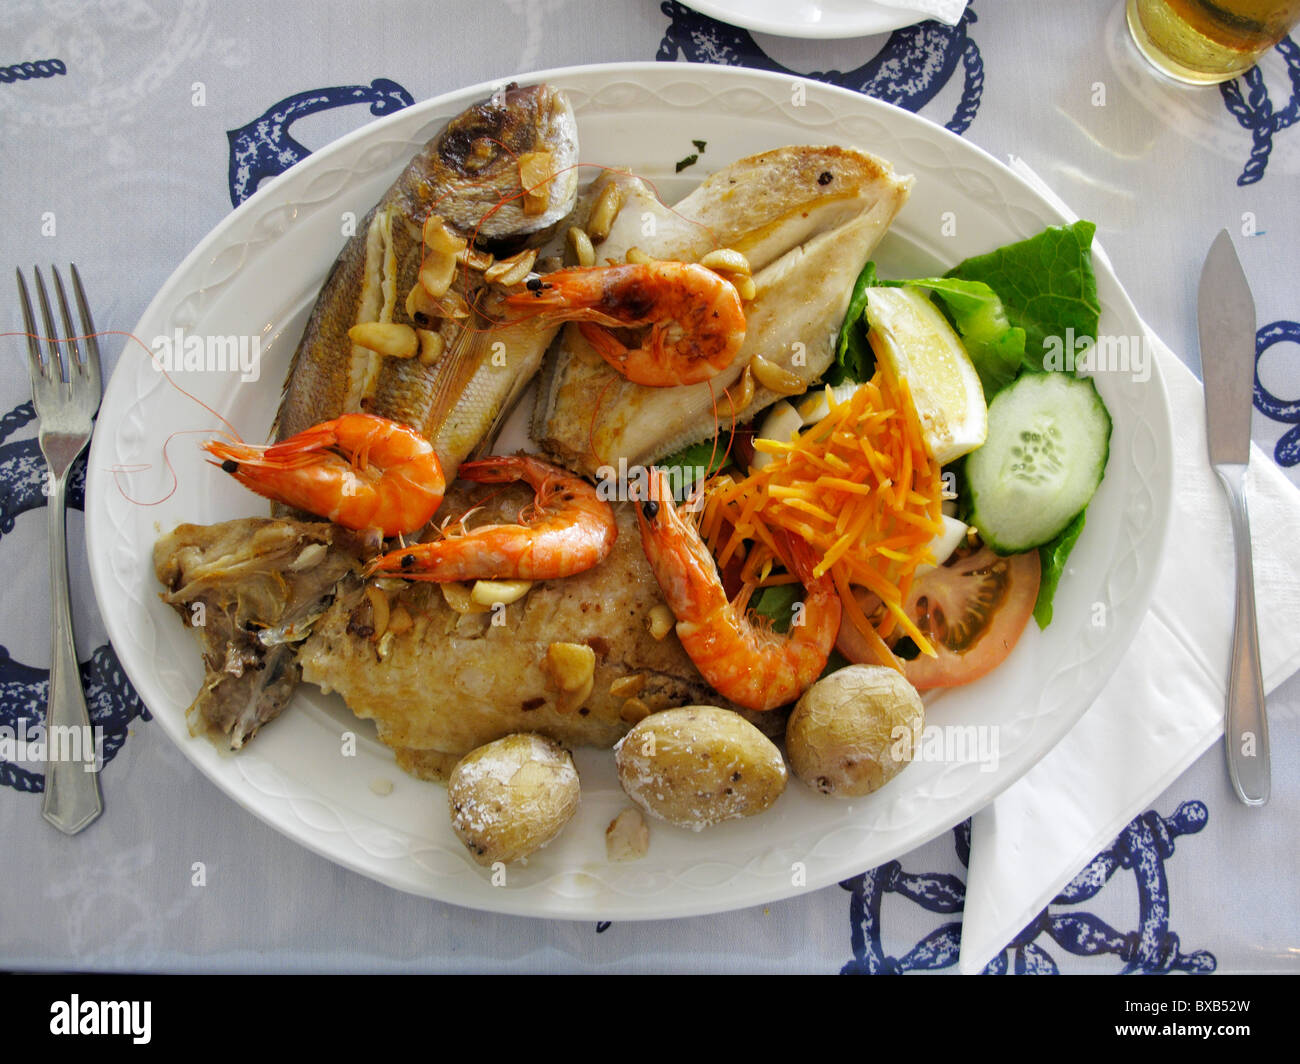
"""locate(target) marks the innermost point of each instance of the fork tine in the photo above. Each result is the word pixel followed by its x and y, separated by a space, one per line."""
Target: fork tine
pixel 88 328
pixel 51 330
pixel 35 366
pixel 76 366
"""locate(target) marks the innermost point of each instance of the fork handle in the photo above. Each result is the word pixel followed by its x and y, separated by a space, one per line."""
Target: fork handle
pixel 72 796
pixel 1245 724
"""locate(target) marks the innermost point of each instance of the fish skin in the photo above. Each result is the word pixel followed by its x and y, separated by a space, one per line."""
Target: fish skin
pixel 474 172
pixel 454 682
pixel 241 573
pixel 762 205
pixel 463 173
pixel 806 240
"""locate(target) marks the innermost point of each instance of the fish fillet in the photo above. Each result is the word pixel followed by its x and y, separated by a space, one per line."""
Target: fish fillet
pixel 452 681
pixel 807 218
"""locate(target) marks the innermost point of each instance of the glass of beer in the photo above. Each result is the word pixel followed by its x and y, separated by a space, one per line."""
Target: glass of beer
pixel 1203 42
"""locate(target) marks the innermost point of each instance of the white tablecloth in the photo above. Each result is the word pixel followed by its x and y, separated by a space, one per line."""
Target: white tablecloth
pixel 119 123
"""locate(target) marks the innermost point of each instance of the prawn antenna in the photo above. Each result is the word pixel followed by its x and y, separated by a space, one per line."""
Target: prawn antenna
pixel 121 470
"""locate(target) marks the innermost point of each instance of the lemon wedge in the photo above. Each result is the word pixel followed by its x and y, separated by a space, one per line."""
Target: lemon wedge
pixel 916 342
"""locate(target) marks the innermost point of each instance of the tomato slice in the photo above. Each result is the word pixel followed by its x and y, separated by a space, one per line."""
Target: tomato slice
pixel 972 610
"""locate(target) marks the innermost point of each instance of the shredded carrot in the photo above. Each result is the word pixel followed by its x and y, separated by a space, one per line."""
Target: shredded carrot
pixel 860 488
pixel 812 509
pixel 757 566
pixel 841 484
pixel 777 580
pixel 862 623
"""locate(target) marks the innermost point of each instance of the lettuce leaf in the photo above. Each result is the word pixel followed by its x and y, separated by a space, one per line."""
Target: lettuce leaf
pixel 1053 557
pixel 695 463
pixel 1011 303
pixel 777 603
pixel 995 346
pixel 708 455
pixel 1046 284
pixel 854 359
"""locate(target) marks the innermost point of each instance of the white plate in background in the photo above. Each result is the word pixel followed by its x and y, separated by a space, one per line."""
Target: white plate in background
pixel 823 19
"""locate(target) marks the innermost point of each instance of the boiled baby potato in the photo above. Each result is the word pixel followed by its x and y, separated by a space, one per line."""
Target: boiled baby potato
pixel 511 797
pixel 854 730
pixel 699 765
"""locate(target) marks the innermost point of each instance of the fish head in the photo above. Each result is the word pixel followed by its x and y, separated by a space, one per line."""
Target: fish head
pixel 476 163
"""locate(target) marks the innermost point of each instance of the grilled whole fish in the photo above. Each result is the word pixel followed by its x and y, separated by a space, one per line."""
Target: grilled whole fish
pixel 807 219
pixel 250 589
pixel 451 682
pixel 469 175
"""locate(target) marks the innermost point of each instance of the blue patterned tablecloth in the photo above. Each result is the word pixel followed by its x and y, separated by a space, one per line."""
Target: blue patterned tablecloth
pixel 131 129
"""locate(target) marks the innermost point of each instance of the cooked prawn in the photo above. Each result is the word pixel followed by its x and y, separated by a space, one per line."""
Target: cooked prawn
pixel 567 529
pixel 745 661
pixel 696 322
pixel 360 471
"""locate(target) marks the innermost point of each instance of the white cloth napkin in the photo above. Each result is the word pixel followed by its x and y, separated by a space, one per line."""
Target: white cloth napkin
pixel 949 11
pixel 1164 706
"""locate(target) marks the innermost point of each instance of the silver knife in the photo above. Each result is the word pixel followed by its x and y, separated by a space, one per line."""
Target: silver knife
pixel 1225 313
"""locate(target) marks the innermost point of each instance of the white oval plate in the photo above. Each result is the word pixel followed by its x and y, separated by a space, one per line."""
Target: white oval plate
pixel 821 19
pixel 259 272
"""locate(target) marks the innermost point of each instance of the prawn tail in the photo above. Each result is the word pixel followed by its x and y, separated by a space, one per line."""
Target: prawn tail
pixel 823 597
pixel 803 560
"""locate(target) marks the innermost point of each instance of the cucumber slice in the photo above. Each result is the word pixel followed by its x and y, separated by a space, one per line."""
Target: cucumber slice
pixel 1049 437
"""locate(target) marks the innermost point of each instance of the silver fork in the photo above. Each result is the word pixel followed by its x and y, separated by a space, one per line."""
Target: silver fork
pixel 66 388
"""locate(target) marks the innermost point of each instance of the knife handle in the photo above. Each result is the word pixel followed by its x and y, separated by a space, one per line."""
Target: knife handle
pixel 1245 724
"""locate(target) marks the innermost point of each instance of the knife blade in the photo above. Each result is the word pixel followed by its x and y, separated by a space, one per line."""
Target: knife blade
pixel 1225 312
pixel 1225 315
